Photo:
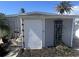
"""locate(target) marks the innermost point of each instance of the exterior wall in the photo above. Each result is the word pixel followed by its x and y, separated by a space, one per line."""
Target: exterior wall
pixel 76 33
pixel 14 23
pixel 67 31
pixel 49 32
pixel 47 29
pixel 33 32
pixel 43 32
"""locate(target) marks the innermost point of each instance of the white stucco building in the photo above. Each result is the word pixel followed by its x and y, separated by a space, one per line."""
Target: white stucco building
pixel 45 30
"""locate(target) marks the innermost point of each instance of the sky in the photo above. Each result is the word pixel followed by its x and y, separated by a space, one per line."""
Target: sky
pixel 13 7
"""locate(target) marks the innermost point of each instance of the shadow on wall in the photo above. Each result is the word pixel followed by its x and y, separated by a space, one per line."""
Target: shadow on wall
pixel 34 39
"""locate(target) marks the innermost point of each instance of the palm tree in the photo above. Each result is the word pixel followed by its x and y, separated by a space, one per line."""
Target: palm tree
pixel 64 6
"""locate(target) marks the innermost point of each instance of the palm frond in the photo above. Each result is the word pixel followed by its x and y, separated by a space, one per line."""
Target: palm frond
pixel 64 6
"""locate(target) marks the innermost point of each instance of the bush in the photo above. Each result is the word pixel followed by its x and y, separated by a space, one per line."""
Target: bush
pixel 3 50
pixel 63 50
pixel 4 47
pixel 5 39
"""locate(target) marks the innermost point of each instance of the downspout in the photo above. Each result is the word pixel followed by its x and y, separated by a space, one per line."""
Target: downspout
pixel 72 32
pixel 22 32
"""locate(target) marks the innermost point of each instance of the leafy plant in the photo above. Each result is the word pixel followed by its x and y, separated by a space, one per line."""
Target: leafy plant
pixel 4 29
pixel 64 6
pixel 4 32
pixel 63 50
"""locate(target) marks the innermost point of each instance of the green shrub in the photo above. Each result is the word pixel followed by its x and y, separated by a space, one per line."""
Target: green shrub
pixel 3 50
pixel 63 50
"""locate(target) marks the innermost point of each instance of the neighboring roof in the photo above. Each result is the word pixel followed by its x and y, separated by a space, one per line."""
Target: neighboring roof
pixel 40 13
pixel 31 13
pixel 13 15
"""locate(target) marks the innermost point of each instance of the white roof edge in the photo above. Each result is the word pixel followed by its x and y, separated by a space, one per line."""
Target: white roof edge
pixel 13 15
pixel 42 13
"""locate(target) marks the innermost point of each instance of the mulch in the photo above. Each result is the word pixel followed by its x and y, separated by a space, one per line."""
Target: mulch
pixel 47 52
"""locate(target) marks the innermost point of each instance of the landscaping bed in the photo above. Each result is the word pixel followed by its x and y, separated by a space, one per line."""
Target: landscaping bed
pixel 58 51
